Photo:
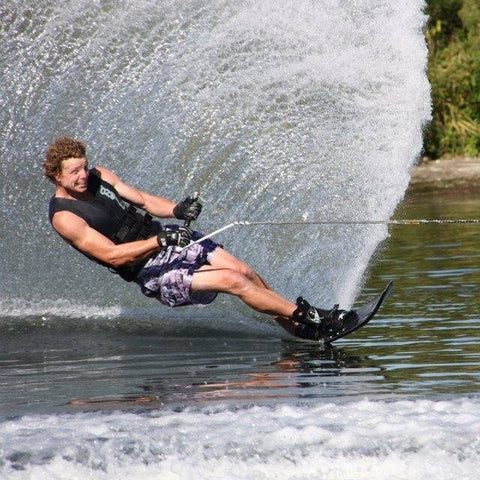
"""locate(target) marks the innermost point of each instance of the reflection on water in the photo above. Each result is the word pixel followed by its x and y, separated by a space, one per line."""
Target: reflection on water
pixel 424 341
pixel 302 372
pixel 75 369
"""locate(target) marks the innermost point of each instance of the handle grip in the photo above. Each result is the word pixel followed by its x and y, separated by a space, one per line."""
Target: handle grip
pixel 195 196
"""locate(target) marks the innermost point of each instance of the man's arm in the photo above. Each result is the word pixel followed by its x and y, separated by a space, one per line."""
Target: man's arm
pixel 157 206
pixel 78 233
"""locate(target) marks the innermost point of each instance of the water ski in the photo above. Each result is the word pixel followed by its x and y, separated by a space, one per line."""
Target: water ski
pixel 357 318
pixel 327 326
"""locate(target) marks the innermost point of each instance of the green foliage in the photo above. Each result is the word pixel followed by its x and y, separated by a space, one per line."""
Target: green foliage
pixel 453 37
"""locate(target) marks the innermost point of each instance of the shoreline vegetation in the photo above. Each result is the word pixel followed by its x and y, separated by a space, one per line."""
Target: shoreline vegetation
pixel 453 36
pixel 451 149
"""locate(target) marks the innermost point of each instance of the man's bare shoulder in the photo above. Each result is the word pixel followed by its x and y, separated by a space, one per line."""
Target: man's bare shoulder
pixel 68 224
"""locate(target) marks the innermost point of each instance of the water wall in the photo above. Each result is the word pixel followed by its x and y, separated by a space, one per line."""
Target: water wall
pixel 292 111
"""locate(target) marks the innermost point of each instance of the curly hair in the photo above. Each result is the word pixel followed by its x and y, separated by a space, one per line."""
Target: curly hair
pixel 61 149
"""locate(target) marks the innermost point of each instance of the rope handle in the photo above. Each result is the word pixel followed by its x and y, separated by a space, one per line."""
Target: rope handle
pixel 194 197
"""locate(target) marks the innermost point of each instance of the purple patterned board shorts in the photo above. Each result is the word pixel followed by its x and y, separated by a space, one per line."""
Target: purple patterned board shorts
pixel 168 276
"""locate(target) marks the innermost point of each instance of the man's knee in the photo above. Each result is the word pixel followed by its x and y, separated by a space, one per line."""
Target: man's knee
pixel 234 282
pixel 247 271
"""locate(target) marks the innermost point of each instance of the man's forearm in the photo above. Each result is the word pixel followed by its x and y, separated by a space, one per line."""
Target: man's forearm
pixel 119 255
pixel 159 206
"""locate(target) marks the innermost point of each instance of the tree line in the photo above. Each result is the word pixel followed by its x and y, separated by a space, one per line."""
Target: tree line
pixel 453 38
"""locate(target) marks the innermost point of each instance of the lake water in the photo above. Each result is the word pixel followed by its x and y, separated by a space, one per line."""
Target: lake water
pixel 99 398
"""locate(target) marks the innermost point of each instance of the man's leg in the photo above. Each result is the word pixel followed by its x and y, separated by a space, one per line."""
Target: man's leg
pixel 227 274
pixel 223 259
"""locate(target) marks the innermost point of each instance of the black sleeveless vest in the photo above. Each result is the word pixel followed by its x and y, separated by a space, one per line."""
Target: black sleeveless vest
pixel 112 216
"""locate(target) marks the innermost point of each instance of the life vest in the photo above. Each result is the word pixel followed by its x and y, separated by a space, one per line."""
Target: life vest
pixel 112 216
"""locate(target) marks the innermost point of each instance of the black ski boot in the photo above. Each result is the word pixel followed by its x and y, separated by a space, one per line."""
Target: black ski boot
pixel 318 324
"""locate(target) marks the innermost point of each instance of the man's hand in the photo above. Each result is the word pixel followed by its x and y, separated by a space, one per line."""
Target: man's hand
pixel 180 237
pixel 189 209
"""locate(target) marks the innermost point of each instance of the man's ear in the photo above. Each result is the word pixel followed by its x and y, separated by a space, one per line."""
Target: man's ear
pixel 57 177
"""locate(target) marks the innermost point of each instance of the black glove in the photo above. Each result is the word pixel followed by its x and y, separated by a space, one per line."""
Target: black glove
pixel 180 237
pixel 189 209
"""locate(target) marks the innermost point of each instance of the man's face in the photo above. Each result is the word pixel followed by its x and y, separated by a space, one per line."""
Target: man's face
pixel 74 175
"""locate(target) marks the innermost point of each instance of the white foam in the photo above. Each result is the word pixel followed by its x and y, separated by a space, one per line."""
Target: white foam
pixel 22 308
pixel 408 439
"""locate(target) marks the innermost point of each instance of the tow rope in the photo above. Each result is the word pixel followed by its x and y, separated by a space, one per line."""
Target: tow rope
pixel 421 221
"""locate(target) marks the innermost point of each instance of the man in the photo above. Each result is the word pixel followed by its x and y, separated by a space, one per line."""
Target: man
pixel 111 223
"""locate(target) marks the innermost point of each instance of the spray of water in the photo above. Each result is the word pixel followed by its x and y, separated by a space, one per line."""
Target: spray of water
pixel 291 110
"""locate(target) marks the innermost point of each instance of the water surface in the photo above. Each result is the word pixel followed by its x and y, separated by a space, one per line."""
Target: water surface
pixel 423 342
